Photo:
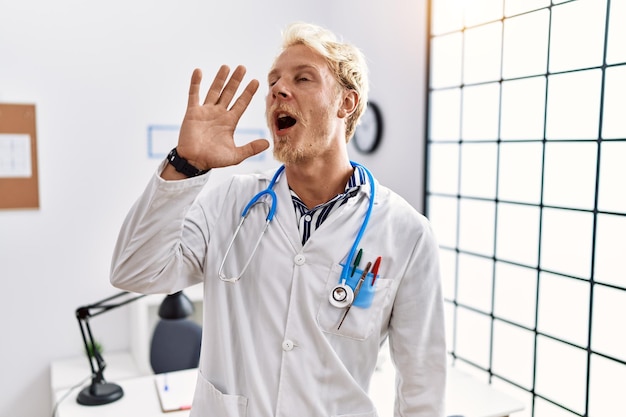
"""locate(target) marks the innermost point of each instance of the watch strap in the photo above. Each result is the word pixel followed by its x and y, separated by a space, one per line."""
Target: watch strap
pixel 183 166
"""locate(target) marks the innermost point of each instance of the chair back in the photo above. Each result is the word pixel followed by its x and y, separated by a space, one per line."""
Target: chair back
pixel 175 345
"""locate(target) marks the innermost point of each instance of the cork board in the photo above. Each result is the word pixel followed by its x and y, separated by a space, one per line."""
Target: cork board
pixel 19 178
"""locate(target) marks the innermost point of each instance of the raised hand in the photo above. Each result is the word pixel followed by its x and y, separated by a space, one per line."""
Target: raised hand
pixel 206 136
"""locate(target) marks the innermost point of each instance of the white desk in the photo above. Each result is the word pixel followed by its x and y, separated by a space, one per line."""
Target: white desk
pixel 464 394
pixel 140 399
pixel 69 372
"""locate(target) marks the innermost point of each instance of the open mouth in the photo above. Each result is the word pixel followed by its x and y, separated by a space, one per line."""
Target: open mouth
pixel 284 121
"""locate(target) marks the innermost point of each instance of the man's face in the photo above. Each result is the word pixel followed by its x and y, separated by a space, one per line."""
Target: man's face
pixel 302 106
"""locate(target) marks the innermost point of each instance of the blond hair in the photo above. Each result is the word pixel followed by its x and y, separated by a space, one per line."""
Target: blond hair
pixel 345 61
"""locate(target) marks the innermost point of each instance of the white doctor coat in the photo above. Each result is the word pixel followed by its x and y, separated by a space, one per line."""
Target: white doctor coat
pixel 270 341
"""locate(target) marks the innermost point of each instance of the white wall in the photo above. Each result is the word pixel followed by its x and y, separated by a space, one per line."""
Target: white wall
pixel 392 34
pixel 99 74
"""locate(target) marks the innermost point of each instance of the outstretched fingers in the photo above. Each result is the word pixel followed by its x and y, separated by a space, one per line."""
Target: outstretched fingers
pixel 223 89
pixel 214 123
pixel 215 90
pixel 194 88
pixel 252 148
pixel 231 87
pixel 242 102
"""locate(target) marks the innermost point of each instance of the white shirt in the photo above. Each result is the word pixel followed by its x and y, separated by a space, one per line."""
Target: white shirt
pixel 271 346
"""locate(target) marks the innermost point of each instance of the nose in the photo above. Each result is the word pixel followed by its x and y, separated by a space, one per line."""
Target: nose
pixel 279 90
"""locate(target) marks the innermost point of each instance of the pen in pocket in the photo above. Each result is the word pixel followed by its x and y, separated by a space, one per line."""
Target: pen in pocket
pixel 357 261
pixel 375 269
pixel 356 292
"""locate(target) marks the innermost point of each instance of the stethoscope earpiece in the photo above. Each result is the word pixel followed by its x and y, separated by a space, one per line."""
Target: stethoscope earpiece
pixel 341 296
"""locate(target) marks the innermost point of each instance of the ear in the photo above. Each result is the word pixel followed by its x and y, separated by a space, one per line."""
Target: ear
pixel 349 103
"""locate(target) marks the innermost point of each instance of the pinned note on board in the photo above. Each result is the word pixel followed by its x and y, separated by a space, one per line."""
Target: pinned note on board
pixel 19 179
pixel 176 389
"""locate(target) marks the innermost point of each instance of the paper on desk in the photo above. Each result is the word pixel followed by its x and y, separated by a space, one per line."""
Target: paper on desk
pixel 176 389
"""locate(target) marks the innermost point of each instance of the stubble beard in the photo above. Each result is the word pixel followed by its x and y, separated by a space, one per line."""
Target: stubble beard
pixel 288 151
pixel 285 152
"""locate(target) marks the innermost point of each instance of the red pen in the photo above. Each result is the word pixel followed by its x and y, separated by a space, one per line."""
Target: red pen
pixel 375 268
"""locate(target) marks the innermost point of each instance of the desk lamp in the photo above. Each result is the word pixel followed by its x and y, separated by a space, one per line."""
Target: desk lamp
pixel 99 392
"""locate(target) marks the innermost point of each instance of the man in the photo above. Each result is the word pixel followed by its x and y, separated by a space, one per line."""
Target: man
pixel 293 326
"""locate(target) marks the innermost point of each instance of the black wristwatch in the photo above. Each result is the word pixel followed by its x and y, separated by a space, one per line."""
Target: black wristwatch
pixel 183 166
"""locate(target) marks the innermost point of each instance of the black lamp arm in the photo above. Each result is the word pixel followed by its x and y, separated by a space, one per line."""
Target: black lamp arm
pixel 83 314
pixel 102 306
pixel 93 353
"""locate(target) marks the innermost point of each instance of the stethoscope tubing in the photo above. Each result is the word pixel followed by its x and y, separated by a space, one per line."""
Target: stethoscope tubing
pixel 357 240
pixel 270 216
pixel 268 191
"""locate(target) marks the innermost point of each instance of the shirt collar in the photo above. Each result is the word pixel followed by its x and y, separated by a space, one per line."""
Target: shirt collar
pixel 356 180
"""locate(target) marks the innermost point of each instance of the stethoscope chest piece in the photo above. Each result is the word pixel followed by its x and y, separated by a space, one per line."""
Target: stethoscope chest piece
pixel 341 296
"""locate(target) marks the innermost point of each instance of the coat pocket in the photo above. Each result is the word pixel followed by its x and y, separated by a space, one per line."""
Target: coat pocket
pixel 364 315
pixel 209 401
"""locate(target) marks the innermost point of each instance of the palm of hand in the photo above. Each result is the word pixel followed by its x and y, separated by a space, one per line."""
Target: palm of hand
pixel 207 134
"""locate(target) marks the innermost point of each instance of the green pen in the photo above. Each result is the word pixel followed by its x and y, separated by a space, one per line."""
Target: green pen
pixel 356 261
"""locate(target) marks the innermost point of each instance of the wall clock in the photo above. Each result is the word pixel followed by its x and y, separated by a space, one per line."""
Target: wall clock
pixel 369 131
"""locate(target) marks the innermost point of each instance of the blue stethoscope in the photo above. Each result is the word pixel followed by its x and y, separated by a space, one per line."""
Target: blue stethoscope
pixel 339 298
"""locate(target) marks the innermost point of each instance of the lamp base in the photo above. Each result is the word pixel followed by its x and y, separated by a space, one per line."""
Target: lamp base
pixel 100 394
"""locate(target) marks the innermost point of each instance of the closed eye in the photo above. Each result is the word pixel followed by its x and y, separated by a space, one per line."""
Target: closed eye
pixel 304 76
